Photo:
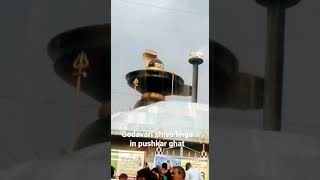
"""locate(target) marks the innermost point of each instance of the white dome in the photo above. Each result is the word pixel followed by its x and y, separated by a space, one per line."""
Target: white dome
pixel 169 116
pixel 87 164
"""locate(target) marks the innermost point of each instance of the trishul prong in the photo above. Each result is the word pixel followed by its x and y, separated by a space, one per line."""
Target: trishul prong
pixel 80 64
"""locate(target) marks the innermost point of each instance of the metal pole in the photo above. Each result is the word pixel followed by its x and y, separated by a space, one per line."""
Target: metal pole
pixel 274 61
pixel 195 83
pixel 195 61
pixel 274 68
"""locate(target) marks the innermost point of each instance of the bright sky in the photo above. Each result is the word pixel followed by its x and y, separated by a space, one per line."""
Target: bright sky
pixel 173 28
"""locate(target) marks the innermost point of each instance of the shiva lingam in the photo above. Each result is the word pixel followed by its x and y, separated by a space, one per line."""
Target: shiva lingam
pixel 154 83
pixel 81 57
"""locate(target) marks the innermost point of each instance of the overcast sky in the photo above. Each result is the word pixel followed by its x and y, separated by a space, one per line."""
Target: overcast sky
pixel 172 28
pixel 36 105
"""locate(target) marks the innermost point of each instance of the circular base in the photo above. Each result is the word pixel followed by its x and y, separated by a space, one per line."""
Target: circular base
pixel 229 88
pixel 94 133
pixel 283 3
pixel 158 82
pixel 95 42
pixel 154 96
pixel 225 65
pixel 145 102
pixel 195 61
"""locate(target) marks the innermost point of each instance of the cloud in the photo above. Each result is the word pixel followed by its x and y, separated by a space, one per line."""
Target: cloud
pixel 173 31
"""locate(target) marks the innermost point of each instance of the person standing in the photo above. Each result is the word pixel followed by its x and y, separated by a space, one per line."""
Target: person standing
pixel 165 171
pixel 112 173
pixel 178 173
pixel 123 176
pixel 192 173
